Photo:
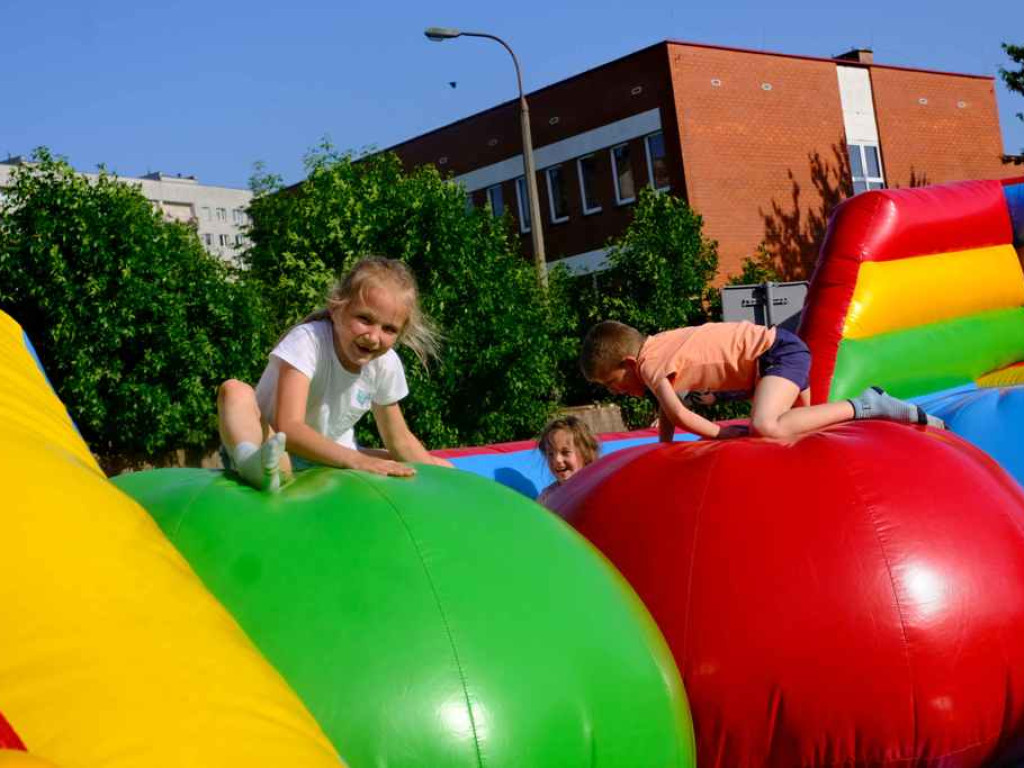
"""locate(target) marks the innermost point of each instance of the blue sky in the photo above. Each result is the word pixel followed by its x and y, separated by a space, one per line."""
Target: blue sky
pixel 210 88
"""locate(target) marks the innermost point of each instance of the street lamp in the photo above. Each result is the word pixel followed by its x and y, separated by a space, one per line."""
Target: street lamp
pixel 440 34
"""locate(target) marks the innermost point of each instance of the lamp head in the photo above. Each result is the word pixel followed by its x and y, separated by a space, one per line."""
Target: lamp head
pixel 440 34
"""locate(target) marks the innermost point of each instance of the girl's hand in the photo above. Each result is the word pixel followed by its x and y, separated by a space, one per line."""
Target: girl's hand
pixel 384 467
pixel 438 461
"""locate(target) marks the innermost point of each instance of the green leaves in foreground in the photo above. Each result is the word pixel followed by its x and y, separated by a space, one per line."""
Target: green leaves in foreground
pixel 133 321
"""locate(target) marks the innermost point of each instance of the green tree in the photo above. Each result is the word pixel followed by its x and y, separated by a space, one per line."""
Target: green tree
pixel 762 267
pixel 759 268
pixel 134 322
pixel 497 378
pixel 1014 79
pixel 661 270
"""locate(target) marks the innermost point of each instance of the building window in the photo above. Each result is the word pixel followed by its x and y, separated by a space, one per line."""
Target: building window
pixel 239 241
pixel 625 192
pixel 558 197
pixel 657 163
pixel 865 168
pixel 222 214
pixel 206 213
pixel 208 239
pixel 523 202
pixel 224 240
pixel 238 216
pixel 586 168
pixel 496 200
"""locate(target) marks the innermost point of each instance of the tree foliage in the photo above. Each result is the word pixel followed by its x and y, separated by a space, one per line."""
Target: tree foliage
pixel 133 321
pixel 136 324
pixel 497 378
pixel 759 268
pixel 1014 79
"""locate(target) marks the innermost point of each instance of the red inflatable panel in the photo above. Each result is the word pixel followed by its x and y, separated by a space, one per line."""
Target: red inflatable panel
pixel 890 224
pixel 854 597
pixel 8 738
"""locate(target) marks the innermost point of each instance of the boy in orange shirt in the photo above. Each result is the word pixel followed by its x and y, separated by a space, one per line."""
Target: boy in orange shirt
pixel 772 365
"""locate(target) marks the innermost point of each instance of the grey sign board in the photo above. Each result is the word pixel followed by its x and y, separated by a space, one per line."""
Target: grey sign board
pixel 768 304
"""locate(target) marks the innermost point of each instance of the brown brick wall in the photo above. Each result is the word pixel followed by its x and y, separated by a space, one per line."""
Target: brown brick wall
pixel 940 141
pixel 761 166
pixel 748 151
pixel 582 103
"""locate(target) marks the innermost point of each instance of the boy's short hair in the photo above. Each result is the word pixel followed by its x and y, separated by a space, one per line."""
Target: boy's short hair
pixel 606 345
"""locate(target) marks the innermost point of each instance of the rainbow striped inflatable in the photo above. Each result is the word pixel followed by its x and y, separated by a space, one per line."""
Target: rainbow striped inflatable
pixel 921 291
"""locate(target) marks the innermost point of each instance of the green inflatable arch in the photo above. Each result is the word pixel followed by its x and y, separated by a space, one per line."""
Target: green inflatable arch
pixel 442 620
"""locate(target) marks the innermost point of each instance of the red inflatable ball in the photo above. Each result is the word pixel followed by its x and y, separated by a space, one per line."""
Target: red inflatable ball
pixel 853 597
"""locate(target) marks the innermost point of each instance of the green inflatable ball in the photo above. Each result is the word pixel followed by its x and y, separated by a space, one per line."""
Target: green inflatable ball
pixel 441 620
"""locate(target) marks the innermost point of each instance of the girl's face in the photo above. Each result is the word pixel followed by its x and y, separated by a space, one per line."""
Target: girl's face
pixel 564 460
pixel 368 325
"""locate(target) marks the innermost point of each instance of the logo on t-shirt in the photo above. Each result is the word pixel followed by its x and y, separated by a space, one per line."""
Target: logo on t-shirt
pixel 362 398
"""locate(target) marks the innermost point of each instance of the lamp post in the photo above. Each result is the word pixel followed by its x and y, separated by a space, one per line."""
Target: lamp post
pixel 440 34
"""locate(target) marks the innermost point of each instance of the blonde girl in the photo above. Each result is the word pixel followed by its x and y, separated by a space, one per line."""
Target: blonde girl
pixel 323 375
pixel 568 445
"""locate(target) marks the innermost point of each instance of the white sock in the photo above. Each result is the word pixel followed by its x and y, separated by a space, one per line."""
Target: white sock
pixel 259 466
pixel 876 403
pixel 271 452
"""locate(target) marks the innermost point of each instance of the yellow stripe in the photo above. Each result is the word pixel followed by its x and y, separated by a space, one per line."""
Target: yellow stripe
pixel 112 652
pixel 12 759
pixel 28 405
pixel 894 295
pixel 1005 377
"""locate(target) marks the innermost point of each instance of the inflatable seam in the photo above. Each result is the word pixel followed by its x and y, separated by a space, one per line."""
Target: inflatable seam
pixel 870 510
pixel 441 613
pixel 689 575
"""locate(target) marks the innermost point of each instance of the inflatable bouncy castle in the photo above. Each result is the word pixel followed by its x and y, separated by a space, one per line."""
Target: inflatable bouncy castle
pixel 921 291
pixel 111 650
pixel 854 596
pixel 851 597
pixel 438 621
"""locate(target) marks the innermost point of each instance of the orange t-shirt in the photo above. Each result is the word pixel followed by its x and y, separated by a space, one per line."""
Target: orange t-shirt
pixel 715 356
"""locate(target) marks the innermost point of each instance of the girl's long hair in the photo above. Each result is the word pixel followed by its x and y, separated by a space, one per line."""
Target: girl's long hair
pixel 419 334
pixel 584 440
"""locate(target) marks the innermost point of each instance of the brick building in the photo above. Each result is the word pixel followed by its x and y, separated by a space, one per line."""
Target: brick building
pixel 762 144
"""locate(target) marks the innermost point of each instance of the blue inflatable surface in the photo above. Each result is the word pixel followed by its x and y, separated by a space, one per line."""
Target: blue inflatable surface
pixel 987 417
pixel 527 472
pixel 982 416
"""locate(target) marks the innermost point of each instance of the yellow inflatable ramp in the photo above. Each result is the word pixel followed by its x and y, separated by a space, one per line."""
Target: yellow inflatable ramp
pixel 112 653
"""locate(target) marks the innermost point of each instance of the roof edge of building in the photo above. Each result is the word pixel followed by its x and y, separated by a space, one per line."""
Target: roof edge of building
pixel 528 94
pixel 666 43
pixel 829 59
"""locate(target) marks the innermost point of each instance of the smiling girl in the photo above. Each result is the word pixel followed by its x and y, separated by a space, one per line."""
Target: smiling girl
pixel 323 375
pixel 568 445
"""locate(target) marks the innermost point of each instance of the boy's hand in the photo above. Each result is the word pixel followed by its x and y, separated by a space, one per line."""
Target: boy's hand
pixel 699 397
pixel 733 430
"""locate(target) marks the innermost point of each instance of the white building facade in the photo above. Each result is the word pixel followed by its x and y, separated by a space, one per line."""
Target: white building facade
pixel 220 214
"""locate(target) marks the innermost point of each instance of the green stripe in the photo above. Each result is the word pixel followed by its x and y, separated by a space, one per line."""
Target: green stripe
pixel 931 357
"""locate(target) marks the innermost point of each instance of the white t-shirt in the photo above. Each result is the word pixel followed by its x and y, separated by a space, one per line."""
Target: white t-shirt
pixel 337 398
